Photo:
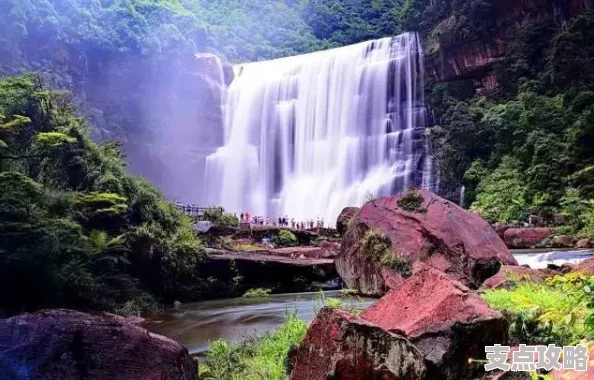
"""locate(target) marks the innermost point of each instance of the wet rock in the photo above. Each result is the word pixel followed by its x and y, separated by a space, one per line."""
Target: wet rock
pixel 510 273
pixel 344 219
pixel 65 344
pixel 340 346
pixel 526 237
pixel 445 320
pixel 439 234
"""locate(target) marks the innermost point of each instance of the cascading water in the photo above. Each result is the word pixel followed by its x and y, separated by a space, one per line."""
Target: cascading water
pixel 308 135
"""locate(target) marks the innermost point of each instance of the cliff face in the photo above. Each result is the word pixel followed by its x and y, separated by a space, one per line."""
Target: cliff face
pixel 475 60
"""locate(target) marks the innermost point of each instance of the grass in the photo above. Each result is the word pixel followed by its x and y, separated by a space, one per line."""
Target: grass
pixel 257 293
pixel 557 311
pixel 378 247
pixel 259 359
pixel 247 247
pixel 411 201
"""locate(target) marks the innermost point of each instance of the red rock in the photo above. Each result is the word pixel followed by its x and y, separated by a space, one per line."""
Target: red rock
pixel 344 219
pixel 443 236
pixel 509 273
pixel 568 374
pixel 563 241
pixel 526 237
pixel 583 243
pixel 586 267
pixel 445 320
pixel 66 344
pixel 340 346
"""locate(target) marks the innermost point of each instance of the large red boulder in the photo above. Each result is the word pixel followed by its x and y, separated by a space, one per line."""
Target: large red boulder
pixel 508 274
pixel 526 237
pixel 421 227
pixel 445 320
pixel 66 344
pixel 340 346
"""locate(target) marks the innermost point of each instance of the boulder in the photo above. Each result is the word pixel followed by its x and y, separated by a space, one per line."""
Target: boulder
pixel 66 344
pixel 510 273
pixel 526 237
pixel 586 267
pixel 445 320
pixel 340 346
pixel 563 241
pixel 583 244
pixel 344 219
pixel 421 227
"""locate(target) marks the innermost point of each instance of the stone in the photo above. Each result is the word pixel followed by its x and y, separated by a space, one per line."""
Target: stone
pixel 440 234
pixel 583 244
pixel 340 346
pixel 526 237
pixel 344 219
pixel 509 274
pixel 563 241
pixel 445 320
pixel 586 267
pixel 66 344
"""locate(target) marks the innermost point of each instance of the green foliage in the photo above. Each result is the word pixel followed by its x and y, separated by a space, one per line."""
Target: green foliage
pixel 220 218
pixel 411 201
pixel 558 311
pixel 260 358
pixel 257 293
pixel 398 263
pixel 77 230
pixel 501 194
pixel 377 247
pixel 286 238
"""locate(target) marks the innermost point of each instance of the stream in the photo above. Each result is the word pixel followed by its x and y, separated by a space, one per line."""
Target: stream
pixel 196 324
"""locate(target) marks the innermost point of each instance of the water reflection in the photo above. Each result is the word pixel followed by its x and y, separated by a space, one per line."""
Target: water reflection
pixel 195 324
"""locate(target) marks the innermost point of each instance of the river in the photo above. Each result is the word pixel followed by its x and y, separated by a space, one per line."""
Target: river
pixel 195 324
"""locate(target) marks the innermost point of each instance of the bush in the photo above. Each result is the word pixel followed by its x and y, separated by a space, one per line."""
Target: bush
pixel 257 293
pixel 286 238
pixel 558 311
pixel 263 358
pixel 411 201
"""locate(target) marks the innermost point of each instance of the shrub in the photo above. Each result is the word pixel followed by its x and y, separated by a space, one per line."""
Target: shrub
pixel 411 201
pixel 398 263
pixel 256 293
pixel 263 358
pixel 557 311
pixel 286 238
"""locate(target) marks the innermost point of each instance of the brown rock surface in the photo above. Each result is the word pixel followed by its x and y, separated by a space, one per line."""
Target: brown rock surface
pixel 440 234
pixel 445 320
pixel 66 344
pixel 340 346
pixel 507 274
pixel 525 237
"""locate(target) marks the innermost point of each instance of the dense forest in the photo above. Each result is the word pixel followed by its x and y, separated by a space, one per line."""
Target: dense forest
pixel 77 229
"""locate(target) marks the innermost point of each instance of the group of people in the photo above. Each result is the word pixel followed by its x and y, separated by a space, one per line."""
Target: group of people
pixel 282 222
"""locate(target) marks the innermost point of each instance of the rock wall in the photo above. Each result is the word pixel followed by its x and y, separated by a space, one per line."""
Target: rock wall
pixel 475 60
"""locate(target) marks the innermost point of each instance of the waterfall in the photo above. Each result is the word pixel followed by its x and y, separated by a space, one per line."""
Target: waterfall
pixel 308 135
